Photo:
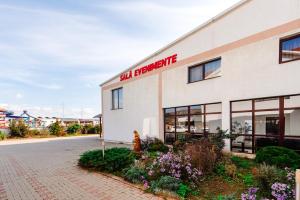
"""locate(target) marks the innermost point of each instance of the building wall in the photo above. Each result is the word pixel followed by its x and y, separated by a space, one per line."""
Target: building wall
pixel 250 68
pixel 140 110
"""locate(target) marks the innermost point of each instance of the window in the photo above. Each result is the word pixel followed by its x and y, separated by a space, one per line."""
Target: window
pixel 117 99
pixel 192 122
pixel 290 49
pixel 205 71
pixel 265 122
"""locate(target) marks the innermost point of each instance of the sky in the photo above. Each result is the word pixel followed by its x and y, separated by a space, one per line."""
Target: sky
pixel 55 53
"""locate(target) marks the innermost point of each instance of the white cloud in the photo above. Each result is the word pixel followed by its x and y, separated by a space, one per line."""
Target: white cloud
pixel 19 96
pixel 47 48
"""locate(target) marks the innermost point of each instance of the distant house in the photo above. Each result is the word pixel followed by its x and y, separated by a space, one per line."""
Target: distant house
pixel 99 117
pixel 2 118
pixel 32 122
pixel 47 121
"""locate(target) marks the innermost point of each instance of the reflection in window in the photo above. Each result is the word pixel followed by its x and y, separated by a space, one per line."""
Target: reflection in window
pixel 170 124
pixel 195 74
pixel 242 126
pixel 267 123
pixel 117 98
pixel 275 123
pixel 213 69
pixel 196 110
pixel 188 122
pixel 213 122
pixel 292 122
pixel 203 71
pixel 241 105
pixel 182 124
pixel 196 122
pixel 292 102
pixel 269 103
pixel 212 108
pixel 242 123
pixel 290 49
pixel 170 112
pixel 242 144
pixel 182 111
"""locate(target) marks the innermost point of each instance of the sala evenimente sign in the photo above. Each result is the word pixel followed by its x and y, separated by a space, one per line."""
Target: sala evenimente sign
pixel 148 68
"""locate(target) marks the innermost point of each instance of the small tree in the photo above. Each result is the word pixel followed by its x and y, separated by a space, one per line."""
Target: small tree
pixel 73 128
pixel 88 128
pixel 98 129
pixel 18 128
pixel 56 129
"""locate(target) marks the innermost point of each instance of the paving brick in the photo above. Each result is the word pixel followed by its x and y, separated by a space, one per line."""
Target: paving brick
pixel 47 170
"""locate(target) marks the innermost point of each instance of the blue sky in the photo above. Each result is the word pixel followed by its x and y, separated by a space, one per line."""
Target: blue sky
pixel 57 52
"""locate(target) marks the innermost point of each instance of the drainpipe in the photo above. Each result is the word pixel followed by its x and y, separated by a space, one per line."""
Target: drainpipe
pixel 298 184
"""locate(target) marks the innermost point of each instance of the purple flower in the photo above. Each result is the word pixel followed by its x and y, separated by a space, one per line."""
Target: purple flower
pixel 146 184
pixel 282 191
pixel 250 194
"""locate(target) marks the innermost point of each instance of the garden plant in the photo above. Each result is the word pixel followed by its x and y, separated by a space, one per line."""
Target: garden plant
pixel 199 170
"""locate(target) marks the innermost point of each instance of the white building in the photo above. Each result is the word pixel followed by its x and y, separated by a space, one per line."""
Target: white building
pixel 238 71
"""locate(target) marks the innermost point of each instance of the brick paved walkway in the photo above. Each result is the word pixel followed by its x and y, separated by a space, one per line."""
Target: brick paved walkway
pixel 47 169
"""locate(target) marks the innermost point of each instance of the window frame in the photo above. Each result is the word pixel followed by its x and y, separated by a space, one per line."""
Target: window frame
pixel 281 41
pixel 204 133
pixel 203 64
pixel 118 99
pixel 281 108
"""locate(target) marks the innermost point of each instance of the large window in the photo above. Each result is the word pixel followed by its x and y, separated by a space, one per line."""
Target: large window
pixel 117 98
pixel 266 121
pixel 205 71
pixel 191 122
pixel 290 49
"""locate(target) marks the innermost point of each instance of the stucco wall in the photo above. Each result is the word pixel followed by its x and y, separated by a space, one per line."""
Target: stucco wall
pixel 140 110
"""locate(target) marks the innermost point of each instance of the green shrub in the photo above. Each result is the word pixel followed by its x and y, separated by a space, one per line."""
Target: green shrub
pixel 166 183
pixel 73 128
pixel 2 136
pixel 97 129
pixel 90 129
pixel 118 159
pixel 248 180
pixel 92 159
pixel 267 175
pixel 115 159
pixel 183 190
pixel 135 175
pixel 154 144
pixel 220 169
pixel 241 162
pixel 218 139
pixel 18 128
pixel 278 156
pixel 56 129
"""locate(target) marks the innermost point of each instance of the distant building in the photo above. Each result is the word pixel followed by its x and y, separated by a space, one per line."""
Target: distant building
pixel 2 118
pixel 32 122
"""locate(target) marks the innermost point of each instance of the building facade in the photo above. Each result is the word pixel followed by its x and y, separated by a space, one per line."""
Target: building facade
pixel 239 72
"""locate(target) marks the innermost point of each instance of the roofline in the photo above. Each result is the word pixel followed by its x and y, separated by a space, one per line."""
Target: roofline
pixel 205 24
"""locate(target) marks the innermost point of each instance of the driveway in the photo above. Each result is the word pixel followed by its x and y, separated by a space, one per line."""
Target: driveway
pixel 47 169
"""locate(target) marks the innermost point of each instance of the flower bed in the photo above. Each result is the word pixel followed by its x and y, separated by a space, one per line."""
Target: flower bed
pixel 196 170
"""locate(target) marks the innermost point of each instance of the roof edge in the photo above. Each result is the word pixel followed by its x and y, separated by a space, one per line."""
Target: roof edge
pixel 198 28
